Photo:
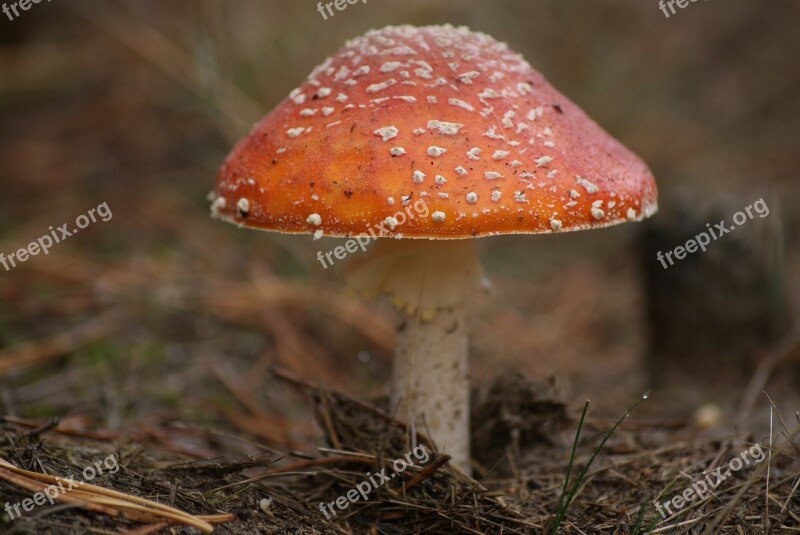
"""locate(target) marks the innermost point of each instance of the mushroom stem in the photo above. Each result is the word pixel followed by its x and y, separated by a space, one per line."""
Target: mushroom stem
pixel 429 281
pixel 430 380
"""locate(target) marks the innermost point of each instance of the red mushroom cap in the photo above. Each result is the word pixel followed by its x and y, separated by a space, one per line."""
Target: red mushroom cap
pixel 436 115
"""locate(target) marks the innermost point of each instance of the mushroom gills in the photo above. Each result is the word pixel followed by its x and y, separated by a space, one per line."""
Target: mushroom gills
pixel 428 275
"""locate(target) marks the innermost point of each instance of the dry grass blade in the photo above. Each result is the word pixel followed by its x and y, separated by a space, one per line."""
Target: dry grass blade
pixel 103 500
pixel 237 109
pixel 34 353
pixel 787 345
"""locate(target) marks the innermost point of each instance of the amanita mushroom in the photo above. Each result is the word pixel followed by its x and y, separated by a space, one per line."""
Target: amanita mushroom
pixel 456 122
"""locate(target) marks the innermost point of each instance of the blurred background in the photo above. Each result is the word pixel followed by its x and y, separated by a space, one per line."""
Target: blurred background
pixel 161 315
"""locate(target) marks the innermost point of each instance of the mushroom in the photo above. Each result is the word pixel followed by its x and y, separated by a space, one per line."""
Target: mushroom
pixel 434 135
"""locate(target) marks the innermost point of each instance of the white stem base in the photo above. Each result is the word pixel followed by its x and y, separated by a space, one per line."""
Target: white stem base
pixel 430 380
pixel 429 282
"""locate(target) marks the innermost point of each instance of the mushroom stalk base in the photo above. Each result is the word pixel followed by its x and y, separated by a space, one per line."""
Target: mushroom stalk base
pixel 429 282
pixel 430 380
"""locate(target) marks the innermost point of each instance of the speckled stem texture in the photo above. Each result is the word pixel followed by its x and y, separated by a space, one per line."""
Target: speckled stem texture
pixel 430 380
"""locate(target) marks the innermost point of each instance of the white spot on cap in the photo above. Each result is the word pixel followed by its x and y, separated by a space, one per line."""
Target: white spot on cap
pixel 535 113
pixel 390 66
pixel 588 186
pixel 418 177
pixel 492 133
pixel 308 112
pixel 217 205
pixel 387 132
pixel 327 111
pixel 507 122
pixel 573 193
pixel 314 219
pixel 390 201
pixel 461 171
pixel 491 175
pixel 461 104
pixel 323 92
pixel 390 222
pixel 472 197
pixel 342 73
pixel 466 77
pixel 341 97
pixel 443 195
pixel 544 160
pixel 630 214
pixel 432 99
pixel 472 153
pixel 598 212
pixel 397 151
pixel 440 180
pixel 438 216
pixel 294 132
pixel 405 98
pixel 555 224
pixel 500 154
pixel 243 205
pixel 318 234
pixel 496 195
pixel 434 151
pixel 519 196
pixel 447 129
pixel 524 87
pixel 418 131
pixel 374 88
